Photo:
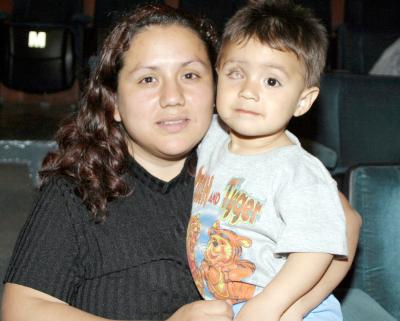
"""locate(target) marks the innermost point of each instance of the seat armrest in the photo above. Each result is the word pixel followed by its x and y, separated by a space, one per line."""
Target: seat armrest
pixel 359 306
pixel 325 154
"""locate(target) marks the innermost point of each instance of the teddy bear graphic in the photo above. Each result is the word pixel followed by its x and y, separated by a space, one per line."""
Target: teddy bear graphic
pixel 191 240
pixel 222 268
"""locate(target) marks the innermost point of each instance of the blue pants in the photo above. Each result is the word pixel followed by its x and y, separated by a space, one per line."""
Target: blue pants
pixel 328 310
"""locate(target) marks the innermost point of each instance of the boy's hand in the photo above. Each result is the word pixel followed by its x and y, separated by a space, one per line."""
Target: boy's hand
pixel 298 275
pixel 204 311
pixel 290 318
pixel 292 315
pixel 256 310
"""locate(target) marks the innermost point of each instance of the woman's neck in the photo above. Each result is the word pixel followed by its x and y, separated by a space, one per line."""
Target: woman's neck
pixel 164 169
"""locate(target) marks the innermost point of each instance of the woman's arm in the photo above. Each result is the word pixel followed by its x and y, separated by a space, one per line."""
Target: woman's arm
pixel 21 303
pixel 336 271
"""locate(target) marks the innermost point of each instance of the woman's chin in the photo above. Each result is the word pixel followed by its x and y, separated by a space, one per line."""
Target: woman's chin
pixel 176 150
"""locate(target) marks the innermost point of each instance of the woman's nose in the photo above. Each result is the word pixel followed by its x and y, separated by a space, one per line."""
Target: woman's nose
pixel 172 94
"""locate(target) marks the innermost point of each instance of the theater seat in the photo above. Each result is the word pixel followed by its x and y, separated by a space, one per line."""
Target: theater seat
pixel 383 15
pixel 374 191
pixel 357 116
pixel 107 13
pixel 359 48
pixel 42 45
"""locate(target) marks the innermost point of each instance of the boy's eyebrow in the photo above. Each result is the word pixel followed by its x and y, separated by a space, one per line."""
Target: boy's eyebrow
pixel 233 61
pixel 277 67
pixel 264 66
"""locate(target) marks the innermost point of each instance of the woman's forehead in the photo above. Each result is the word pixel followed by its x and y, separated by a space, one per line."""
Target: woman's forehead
pixel 166 44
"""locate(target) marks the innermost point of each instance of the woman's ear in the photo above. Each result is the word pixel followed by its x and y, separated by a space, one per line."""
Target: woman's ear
pixel 117 115
pixel 306 100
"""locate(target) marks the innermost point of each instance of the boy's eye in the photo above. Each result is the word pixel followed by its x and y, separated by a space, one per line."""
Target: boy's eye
pixel 147 80
pixel 234 74
pixel 272 82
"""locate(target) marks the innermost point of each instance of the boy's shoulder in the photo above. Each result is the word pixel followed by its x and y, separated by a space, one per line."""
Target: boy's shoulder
pixel 298 164
pixel 217 132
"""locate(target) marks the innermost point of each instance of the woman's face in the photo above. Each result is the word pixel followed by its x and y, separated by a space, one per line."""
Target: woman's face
pixel 165 93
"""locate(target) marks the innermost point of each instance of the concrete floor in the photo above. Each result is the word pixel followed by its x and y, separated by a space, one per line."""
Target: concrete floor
pixel 23 118
pixel 17 195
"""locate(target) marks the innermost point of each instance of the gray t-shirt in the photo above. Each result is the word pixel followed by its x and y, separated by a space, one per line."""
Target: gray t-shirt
pixel 249 212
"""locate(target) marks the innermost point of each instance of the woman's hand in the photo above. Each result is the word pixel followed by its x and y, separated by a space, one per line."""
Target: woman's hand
pixel 204 311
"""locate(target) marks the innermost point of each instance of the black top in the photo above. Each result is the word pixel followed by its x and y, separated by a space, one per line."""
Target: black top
pixel 133 266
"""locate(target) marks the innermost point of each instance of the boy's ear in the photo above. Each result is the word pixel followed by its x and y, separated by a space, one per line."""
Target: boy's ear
pixel 306 100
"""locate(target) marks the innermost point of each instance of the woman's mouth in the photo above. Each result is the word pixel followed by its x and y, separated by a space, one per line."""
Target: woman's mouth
pixel 173 125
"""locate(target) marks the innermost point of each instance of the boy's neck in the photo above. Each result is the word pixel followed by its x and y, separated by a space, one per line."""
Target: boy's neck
pixel 244 145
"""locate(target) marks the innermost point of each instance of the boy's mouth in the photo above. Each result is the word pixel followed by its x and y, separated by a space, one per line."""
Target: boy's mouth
pixel 246 112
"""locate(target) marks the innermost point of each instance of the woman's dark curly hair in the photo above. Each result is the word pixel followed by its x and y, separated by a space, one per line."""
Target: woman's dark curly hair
pixel 91 145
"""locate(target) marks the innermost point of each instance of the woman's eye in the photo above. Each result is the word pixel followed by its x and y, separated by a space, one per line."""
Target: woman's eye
pixel 190 75
pixel 147 80
pixel 272 82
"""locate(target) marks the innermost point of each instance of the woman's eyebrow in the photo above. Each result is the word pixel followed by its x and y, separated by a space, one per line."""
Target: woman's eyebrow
pixel 142 67
pixel 194 61
pixel 157 67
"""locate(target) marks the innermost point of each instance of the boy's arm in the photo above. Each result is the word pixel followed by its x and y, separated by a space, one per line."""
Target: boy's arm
pixel 336 271
pixel 298 276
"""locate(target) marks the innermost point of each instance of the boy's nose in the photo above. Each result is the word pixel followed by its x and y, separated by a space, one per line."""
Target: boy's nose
pixel 249 90
pixel 171 95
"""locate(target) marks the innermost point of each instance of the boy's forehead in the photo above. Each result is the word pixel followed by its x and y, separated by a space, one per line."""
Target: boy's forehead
pixel 253 52
pixel 246 47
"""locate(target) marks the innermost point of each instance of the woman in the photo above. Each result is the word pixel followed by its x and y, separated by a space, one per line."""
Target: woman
pixel 107 236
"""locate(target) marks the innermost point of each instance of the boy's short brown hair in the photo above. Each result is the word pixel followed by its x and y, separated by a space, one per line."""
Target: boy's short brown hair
pixel 282 25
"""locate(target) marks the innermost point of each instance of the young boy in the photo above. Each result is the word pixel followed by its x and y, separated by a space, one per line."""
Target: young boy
pixel 266 217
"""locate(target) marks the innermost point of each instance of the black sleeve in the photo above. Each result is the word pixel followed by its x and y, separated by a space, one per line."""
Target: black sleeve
pixel 46 254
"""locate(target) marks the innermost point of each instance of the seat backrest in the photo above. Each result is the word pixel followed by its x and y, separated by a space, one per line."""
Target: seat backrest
pixel 43 45
pixel 321 8
pixel 372 14
pixel 374 191
pixel 40 59
pixel 107 13
pixel 359 49
pixel 217 11
pixel 45 11
pixel 358 116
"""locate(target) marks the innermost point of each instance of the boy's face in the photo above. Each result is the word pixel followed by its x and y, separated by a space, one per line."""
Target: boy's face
pixel 260 89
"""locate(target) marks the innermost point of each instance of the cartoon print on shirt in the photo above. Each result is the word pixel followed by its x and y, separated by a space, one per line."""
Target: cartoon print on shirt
pixel 216 251
pixel 222 267
pixel 191 240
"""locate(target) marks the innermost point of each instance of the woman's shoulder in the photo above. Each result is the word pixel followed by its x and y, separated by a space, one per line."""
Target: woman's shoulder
pixel 59 191
pixel 58 184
